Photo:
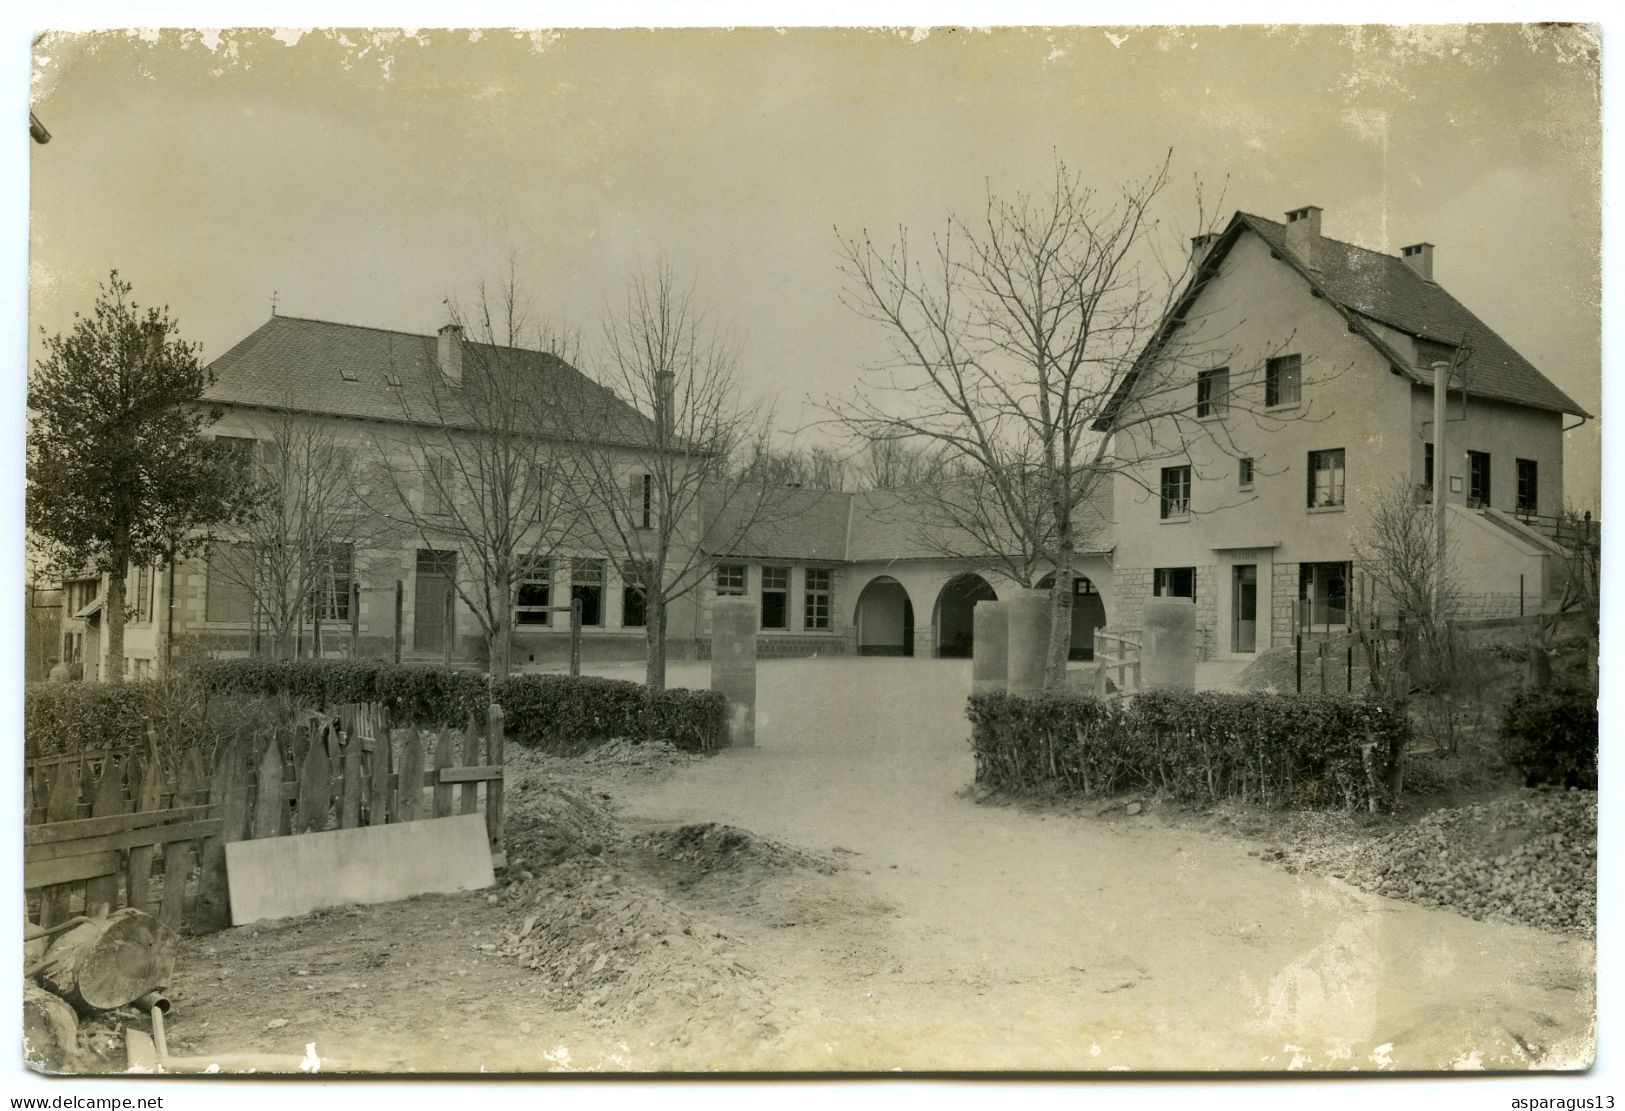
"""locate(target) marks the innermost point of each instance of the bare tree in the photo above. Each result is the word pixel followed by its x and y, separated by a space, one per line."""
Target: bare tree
pixel 814 468
pixel 295 556
pixel 1030 344
pixel 663 494
pixel 477 464
pixel 885 462
pixel 1398 553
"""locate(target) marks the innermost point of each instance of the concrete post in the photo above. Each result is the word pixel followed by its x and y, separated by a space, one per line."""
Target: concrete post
pixel 1027 640
pixel 733 664
pixel 1168 645
pixel 990 633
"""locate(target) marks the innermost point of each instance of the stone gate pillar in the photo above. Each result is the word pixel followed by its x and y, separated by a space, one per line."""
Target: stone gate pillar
pixel 1168 645
pixel 990 640
pixel 1028 639
pixel 733 664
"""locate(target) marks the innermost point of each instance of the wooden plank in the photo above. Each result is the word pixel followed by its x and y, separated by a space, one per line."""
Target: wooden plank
pixel 270 809
pixel 145 787
pixel 496 743
pixel 229 785
pixel 315 790
pixel 410 804
pixel 110 801
pixel 469 775
pixel 95 827
pixel 56 874
pixel 117 842
pixel 470 801
pixel 178 854
pixel 350 793
pixel 378 782
pixel 61 804
pixel 442 759
pixel 282 876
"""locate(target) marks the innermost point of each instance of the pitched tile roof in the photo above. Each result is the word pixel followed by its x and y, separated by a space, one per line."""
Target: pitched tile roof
pixel 348 370
pixel 796 524
pixel 1369 286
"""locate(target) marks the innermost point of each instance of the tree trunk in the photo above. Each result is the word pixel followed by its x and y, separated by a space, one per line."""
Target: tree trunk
pixel 113 612
pixel 500 641
pixel 50 1031
pixel 1060 625
pixel 105 963
pixel 654 614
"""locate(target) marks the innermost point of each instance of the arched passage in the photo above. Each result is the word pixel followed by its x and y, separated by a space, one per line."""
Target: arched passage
pixel 1088 614
pixel 953 622
pixel 884 619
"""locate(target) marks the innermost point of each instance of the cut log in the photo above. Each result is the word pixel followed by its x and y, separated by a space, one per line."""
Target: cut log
pixel 110 961
pixel 50 1031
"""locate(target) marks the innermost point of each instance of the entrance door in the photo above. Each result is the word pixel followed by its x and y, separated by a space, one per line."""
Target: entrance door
pixel 434 579
pixel 1244 608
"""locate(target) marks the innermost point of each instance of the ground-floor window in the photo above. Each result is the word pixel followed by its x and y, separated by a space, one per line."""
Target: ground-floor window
pixel 330 593
pixel 535 594
pixel 775 597
pixel 1175 582
pixel 229 594
pixel 817 592
pixel 635 594
pixel 1323 591
pixel 730 578
pixel 1528 487
pixel 587 587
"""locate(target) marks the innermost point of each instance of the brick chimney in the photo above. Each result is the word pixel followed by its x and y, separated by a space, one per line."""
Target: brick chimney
pixel 1303 234
pixel 1200 245
pixel 451 353
pixel 1419 257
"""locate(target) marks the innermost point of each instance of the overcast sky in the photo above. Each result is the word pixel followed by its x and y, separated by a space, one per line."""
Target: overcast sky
pixel 365 177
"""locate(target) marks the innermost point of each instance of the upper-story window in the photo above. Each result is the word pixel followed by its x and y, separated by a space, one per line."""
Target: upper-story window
pixel 1326 478
pixel 1244 475
pixel 1283 380
pixel 1212 388
pixel 1176 492
pixel 237 454
pixel 1478 478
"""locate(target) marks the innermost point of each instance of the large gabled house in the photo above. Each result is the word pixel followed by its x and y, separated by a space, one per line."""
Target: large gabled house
pixel 1308 363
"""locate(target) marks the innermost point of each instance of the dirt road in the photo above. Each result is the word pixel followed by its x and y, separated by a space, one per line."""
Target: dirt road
pixel 966 936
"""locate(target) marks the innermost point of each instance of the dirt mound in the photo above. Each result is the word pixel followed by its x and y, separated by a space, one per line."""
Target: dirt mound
pixel 706 847
pixel 630 755
pixel 551 822
pixel 1530 858
pixel 609 944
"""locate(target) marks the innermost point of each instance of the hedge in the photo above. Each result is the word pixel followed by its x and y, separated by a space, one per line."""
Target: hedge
pixel 421 695
pixel 1330 750
pixel 61 718
pixel 1550 736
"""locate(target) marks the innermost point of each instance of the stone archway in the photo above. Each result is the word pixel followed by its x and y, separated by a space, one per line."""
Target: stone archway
pixel 1088 614
pixel 884 619
pixel 952 617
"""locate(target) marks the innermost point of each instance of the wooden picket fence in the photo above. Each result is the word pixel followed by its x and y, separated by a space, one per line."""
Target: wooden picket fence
pixel 120 828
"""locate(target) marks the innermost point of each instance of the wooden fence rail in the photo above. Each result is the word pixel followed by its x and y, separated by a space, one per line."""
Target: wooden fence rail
pixel 1119 654
pixel 121 828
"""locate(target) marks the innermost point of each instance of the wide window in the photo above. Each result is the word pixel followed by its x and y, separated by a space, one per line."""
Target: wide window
pixel 535 594
pixel 775 597
pixel 816 596
pixel 730 578
pixel 1283 380
pixel 1174 582
pixel 229 595
pixel 635 579
pixel 1212 386
pixel 1176 492
pixel 1528 487
pixel 1323 592
pixel 587 587
pixel 1478 478
pixel 1326 478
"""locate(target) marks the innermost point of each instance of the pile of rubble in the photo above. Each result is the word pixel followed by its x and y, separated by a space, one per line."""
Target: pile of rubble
pixel 706 847
pixel 1529 858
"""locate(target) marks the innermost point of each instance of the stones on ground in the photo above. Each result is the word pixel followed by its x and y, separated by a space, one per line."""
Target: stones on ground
pixel 1134 808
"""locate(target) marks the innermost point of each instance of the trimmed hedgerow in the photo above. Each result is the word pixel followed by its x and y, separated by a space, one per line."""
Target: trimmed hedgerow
pixel 1550 737
pixel 1262 748
pixel 61 718
pixel 566 713
pixel 561 712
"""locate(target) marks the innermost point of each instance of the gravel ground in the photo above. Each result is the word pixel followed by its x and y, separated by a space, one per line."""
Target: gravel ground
pixel 1529 857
